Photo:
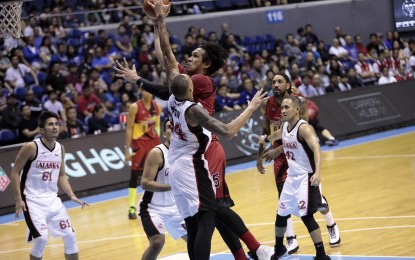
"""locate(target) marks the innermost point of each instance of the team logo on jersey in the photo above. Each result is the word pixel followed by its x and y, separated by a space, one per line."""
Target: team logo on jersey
pixel 166 172
pixel 4 180
pixel 282 206
pixel 290 145
pixel 47 165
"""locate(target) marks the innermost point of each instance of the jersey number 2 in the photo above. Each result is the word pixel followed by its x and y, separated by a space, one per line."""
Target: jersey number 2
pixel 289 155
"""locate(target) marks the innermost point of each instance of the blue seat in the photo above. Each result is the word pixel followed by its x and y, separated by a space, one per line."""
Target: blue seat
pixel 271 46
pixel 260 47
pixel 20 93
pixel 41 77
pixel 251 49
pixel 75 33
pixel 76 42
pixel 241 3
pixel 259 39
pixel 44 98
pixel 7 136
pixel 38 91
pixel 246 40
pixel 224 4
pixel 269 38
pixel 207 6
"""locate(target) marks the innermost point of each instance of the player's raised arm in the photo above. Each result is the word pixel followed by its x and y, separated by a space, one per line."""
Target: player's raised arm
pixel 198 115
pixel 170 62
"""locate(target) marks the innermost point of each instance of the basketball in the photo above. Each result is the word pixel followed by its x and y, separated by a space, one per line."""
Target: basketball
pixel 149 10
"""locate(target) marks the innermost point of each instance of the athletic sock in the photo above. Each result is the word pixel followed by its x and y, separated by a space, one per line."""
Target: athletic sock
pixel 320 249
pixel 290 228
pixel 240 254
pixel 329 219
pixel 132 195
pixel 250 241
pixel 279 244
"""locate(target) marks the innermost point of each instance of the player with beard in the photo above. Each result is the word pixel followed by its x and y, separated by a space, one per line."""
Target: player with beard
pixel 271 109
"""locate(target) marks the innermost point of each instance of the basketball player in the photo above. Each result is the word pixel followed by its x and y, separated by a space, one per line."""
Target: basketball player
pixel 142 134
pixel 301 192
pixel 271 110
pixel 36 189
pixel 205 60
pixel 313 118
pixel 192 184
pixel 157 207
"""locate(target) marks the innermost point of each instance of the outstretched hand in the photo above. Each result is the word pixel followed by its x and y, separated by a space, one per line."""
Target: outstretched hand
pixel 257 99
pixel 260 166
pixel 160 8
pixel 20 206
pixel 270 155
pixel 123 71
pixel 80 202
pixel 315 179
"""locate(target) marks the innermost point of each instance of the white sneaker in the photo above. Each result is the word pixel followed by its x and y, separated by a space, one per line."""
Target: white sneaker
pixel 334 235
pixel 264 252
pixel 292 245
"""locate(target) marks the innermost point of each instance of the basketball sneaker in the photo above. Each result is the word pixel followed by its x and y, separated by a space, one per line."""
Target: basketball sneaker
pixel 324 257
pixel 333 142
pixel 334 234
pixel 264 252
pixel 279 254
pixel 292 245
pixel 251 256
pixel 132 213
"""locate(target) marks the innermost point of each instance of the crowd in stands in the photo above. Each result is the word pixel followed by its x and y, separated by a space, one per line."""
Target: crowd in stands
pixel 70 72
pixel 97 12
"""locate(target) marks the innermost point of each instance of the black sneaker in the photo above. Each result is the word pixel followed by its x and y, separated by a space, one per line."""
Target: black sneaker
pixel 132 213
pixel 324 257
pixel 278 254
pixel 251 256
pixel 332 142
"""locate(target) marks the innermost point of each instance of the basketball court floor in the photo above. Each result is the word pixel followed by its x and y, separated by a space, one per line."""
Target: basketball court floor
pixel 368 181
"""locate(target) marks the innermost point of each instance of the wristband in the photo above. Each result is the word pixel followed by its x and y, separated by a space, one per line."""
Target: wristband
pixel 139 83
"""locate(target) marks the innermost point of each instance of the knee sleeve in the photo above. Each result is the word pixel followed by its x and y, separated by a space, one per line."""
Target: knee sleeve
pixel 310 223
pixel 69 244
pixel 281 221
pixel 39 245
pixel 135 176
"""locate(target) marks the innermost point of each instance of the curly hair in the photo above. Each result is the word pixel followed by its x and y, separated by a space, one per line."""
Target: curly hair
pixel 216 54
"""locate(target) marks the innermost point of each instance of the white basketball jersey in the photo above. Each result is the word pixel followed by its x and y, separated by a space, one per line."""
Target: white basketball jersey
pixel 186 141
pixel 39 178
pixel 160 198
pixel 299 156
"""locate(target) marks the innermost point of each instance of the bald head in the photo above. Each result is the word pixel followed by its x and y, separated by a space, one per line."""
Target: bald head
pixel 180 86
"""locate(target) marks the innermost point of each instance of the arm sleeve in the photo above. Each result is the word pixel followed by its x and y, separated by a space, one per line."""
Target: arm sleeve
pixel 157 90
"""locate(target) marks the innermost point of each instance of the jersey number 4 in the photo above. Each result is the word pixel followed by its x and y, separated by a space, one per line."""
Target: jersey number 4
pixel 177 129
